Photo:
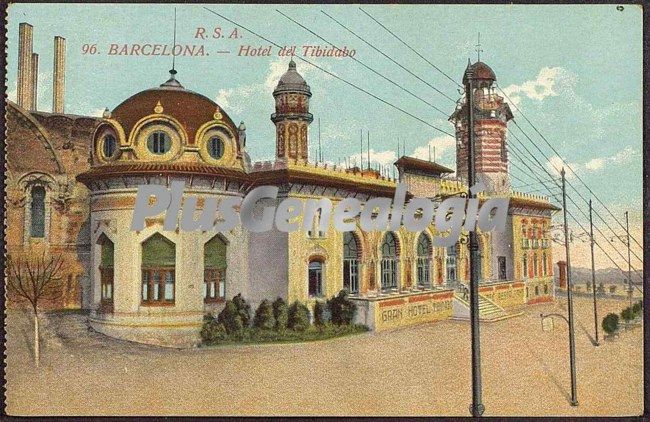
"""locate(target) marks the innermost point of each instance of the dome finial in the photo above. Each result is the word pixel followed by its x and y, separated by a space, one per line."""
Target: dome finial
pixel 292 64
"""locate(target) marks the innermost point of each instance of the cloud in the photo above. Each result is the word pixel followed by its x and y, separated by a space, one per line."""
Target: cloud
pixel 442 145
pixel 555 164
pixel 595 164
pixel 382 157
pixel 236 99
pixel 545 85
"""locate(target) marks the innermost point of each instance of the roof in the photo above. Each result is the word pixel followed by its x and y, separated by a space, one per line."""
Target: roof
pixel 191 109
pixel 367 186
pixel 422 165
pixel 292 81
pixel 480 71
pixel 159 168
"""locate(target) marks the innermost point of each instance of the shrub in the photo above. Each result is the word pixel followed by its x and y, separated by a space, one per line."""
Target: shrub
pixel 264 318
pixel 342 308
pixel 627 314
pixel 298 317
pixel 319 310
pixel 601 287
pixel 610 323
pixel 281 314
pixel 612 289
pixel 243 308
pixel 213 331
pixel 231 318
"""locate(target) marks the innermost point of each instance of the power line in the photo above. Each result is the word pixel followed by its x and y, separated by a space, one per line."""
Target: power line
pixel 569 183
pixel 410 48
pixel 333 75
pixel 366 66
pixel 568 166
pixel 517 152
pixel 388 57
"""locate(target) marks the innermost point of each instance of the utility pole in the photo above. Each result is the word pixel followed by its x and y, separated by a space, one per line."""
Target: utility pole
pixel 593 271
pixel 476 407
pixel 572 346
pixel 361 156
pixel 320 151
pixel 368 133
pixel 629 264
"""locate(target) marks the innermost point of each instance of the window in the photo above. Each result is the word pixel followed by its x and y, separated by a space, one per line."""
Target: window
pixel 315 278
pixel 216 147
pixel 451 264
pixel 110 145
pixel 106 269
pixel 544 264
pixel 535 268
pixel 524 272
pixel 502 267
pixel 159 142
pixel 350 263
pixel 38 212
pixel 389 257
pixel 536 290
pixel 158 271
pixel 214 274
pixel 424 261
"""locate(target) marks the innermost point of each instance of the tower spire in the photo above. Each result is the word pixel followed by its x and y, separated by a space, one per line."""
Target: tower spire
pixel 478 47
pixel 173 71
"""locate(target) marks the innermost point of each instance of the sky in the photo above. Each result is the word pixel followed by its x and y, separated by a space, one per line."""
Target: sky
pixel 574 70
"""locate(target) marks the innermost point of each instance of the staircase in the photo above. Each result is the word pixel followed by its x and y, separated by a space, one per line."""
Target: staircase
pixel 488 310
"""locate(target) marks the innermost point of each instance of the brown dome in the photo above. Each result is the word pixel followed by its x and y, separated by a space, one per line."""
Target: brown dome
pixel 191 110
pixel 481 71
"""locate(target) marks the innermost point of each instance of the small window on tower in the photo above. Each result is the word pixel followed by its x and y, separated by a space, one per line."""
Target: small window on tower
pixel 110 145
pixel 216 147
pixel 159 143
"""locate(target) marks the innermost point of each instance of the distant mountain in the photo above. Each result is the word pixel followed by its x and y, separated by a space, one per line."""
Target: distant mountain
pixel 606 275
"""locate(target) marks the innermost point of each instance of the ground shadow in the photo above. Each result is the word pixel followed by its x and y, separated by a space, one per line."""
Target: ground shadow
pixel 549 374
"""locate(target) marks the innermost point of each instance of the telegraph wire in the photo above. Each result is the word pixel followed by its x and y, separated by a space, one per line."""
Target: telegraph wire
pixel 410 48
pixel 568 166
pixel 571 214
pixel 569 183
pixel 388 57
pixel 366 66
pixel 334 75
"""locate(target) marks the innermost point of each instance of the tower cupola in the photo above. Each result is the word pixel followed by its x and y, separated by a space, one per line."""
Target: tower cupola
pixel 292 116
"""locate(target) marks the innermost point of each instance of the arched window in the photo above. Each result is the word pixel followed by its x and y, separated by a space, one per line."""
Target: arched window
pixel 535 265
pixel 110 145
pixel 216 147
pixel 106 269
pixel 544 264
pixel 424 261
pixel 158 270
pixel 389 255
pixel 351 252
pixel 315 277
pixel 214 274
pixel 159 142
pixel 37 228
pixel 452 274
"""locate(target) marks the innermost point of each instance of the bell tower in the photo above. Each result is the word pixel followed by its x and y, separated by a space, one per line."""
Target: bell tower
pixel 491 116
pixel 292 116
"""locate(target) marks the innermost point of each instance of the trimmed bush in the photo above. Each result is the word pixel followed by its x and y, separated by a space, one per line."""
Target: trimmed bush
pixel 243 308
pixel 298 317
pixel 601 287
pixel 342 308
pixel 231 319
pixel 627 314
pixel 637 309
pixel 319 310
pixel 212 331
pixel 281 314
pixel 610 323
pixel 264 318
pixel 612 289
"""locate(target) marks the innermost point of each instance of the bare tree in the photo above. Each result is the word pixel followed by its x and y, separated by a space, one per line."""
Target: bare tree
pixel 35 278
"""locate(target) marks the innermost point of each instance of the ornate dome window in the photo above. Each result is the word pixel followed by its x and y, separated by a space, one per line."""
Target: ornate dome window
pixel 109 146
pixel 216 147
pixel 159 142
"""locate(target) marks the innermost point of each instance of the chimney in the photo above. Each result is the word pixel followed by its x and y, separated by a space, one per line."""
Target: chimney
pixel 59 75
pixel 34 82
pixel 25 80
